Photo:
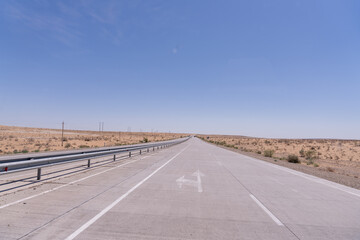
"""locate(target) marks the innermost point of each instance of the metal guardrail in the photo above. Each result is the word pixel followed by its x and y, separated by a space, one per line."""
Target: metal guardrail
pixel 21 163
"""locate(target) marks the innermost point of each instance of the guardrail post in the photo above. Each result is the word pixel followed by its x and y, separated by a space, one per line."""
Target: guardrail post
pixel 114 157
pixel 140 151
pixel 38 173
pixel 129 154
pixel 88 162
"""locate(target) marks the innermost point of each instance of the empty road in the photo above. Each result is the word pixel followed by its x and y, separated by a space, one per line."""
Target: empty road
pixel 193 190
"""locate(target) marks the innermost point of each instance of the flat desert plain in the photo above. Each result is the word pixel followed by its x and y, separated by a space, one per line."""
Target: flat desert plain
pixel 333 159
pixel 15 140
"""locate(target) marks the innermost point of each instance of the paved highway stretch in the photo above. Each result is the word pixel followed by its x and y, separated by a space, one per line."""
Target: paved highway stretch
pixel 193 190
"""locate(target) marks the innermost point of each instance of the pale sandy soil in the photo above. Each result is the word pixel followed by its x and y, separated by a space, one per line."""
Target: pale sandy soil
pixel 333 156
pixel 24 140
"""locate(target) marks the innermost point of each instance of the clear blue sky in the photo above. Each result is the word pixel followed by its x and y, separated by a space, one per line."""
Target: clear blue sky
pixel 257 68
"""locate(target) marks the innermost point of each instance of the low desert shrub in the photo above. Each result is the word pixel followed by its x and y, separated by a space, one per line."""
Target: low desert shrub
pixel 302 153
pixel 293 158
pixel 310 155
pixel 269 153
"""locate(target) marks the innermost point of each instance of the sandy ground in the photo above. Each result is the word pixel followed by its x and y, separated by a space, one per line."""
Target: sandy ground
pixel 23 140
pixel 333 159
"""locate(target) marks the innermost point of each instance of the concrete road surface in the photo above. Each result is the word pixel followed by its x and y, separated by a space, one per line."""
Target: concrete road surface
pixel 193 190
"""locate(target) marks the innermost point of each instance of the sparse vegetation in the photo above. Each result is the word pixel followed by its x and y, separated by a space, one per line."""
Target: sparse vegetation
pixel 293 158
pixel 35 139
pixel 310 155
pixel 269 153
pixel 302 153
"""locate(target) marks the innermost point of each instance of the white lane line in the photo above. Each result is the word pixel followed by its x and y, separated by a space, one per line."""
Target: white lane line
pixel 325 182
pixel 65 185
pixel 279 182
pixel 275 219
pixel 105 210
pixel 198 175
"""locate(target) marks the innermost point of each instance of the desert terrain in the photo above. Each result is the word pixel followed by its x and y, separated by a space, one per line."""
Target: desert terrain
pixel 15 140
pixel 333 159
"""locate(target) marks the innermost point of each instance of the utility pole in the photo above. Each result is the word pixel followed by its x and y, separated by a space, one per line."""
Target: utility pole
pixel 62 134
pixel 101 127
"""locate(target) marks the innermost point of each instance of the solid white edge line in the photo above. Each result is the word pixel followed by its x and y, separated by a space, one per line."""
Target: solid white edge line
pixel 275 219
pixel 105 210
pixel 67 184
pixel 343 188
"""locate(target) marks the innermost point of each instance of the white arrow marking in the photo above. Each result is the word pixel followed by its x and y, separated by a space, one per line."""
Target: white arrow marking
pixel 182 181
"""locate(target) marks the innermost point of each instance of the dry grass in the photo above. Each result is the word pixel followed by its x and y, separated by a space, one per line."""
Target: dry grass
pixel 23 140
pixel 332 155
